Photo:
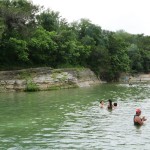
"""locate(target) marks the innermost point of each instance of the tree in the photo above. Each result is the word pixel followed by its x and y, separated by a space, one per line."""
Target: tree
pixel 49 20
pixel 18 17
pixel 143 43
pixel 135 57
pixel 14 51
pixel 118 58
pixel 42 47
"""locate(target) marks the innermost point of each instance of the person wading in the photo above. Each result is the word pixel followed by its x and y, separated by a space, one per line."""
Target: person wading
pixel 137 119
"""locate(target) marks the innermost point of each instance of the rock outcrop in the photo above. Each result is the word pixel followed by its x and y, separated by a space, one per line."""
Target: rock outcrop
pixel 34 79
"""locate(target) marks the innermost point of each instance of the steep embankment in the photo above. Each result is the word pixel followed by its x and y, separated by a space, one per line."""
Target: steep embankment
pixel 45 79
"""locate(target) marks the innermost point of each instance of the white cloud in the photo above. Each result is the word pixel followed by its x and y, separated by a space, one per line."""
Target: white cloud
pixel 129 15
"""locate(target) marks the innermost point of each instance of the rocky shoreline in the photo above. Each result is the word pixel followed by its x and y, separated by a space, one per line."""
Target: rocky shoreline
pixel 136 78
pixel 35 79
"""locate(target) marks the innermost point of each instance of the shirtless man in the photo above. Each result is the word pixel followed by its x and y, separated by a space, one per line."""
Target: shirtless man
pixel 137 119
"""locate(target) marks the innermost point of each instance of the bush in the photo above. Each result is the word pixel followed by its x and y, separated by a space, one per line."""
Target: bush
pixel 31 87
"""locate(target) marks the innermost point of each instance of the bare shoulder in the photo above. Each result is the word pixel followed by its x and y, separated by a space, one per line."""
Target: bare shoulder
pixel 138 119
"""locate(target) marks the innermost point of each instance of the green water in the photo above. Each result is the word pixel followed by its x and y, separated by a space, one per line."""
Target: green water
pixel 72 119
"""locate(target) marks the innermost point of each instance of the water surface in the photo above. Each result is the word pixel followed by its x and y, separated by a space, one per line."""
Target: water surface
pixel 72 119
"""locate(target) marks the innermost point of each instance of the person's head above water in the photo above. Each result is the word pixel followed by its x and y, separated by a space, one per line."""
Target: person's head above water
pixel 101 103
pixel 110 101
pixel 138 111
pixel 115 104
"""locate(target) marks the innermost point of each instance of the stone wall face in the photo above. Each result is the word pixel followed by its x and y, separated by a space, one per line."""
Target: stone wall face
pixel 45 79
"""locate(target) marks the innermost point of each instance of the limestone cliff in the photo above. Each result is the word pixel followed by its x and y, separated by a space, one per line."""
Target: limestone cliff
pixel 45 79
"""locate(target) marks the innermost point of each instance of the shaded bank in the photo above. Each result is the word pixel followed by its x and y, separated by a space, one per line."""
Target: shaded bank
pixel 46 78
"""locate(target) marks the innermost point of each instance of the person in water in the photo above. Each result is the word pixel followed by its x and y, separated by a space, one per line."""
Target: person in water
pixel 110 106
pixel 137 119
pixel 101 104
pixel 114 105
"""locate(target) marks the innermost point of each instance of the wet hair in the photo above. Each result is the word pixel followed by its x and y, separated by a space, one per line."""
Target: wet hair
pixel 101 101
pixel 110 104
pixel 115 104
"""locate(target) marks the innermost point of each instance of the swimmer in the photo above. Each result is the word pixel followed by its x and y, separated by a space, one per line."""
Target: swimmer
pixel 110 106
pixel 101 104
pixel 115 105
pixel 137 119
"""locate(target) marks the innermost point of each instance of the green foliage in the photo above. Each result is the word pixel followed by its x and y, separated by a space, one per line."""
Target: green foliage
pixel 31 37
pixel 18 17
pixel 19 48
pixel 69 50
pixel 31 87
pixel 49 20
pixel 135 57
pixel 143 43
pixel 14 50
pixel 24 75
pixel 42 47
pixel 118 58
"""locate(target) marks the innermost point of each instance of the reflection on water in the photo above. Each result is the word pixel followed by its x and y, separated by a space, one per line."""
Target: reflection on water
pixel 72 119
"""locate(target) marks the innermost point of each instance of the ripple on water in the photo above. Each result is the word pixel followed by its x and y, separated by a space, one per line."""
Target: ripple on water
pixel 81 123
